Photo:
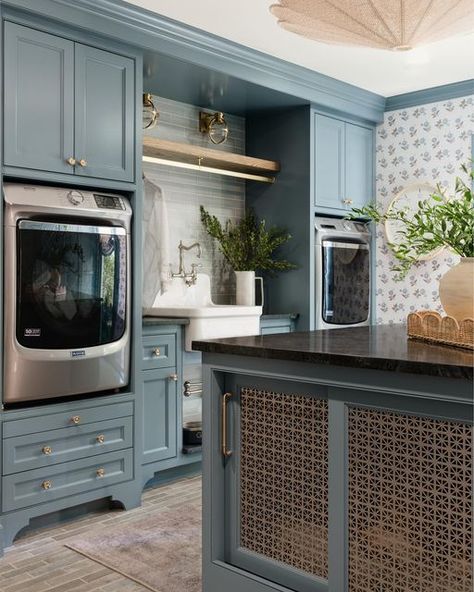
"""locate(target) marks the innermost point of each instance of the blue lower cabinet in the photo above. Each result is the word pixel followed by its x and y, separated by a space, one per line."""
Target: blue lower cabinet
pixel 160 415
pixel 43 449
pixel 66 479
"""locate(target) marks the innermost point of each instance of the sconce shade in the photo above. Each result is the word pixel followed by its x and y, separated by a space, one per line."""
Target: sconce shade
pixel 383 24
pixel 150 113
pixel 214 125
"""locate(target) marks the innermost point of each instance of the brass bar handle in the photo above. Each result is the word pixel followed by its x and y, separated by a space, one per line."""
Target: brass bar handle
pixel 46 485
pixel 47 450
pixel 76 419
pixel 100 439
pixel 225 451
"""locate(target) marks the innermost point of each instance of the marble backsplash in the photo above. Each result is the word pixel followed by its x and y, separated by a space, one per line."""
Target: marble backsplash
pixel 421 144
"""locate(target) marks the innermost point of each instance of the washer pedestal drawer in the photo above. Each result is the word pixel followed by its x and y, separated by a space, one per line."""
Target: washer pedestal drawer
pixel 50 483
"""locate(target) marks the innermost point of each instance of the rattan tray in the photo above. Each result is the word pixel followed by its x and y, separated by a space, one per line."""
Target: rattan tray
pixel 430 326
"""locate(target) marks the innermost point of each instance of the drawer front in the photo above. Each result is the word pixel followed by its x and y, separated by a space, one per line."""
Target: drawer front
pixel 159 351
pixel 45 449
pixel 66 479
pixel 75 416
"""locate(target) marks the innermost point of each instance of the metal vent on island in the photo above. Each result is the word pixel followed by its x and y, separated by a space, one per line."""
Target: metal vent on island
pixel 410 488
pixel 284 478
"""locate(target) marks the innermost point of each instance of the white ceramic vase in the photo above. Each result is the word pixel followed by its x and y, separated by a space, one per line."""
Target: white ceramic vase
pixel 456 290
pixel 245 284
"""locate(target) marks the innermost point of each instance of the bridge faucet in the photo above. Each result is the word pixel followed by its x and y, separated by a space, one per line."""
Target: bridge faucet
pixel 189 278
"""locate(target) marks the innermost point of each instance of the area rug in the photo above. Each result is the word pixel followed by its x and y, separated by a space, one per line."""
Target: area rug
pixel 162 552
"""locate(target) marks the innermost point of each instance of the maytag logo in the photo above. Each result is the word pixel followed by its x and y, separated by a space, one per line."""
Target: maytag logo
pixel 78 353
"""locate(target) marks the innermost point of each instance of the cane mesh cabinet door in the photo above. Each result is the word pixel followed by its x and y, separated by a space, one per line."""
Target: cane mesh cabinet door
pixel 277 481
pixel 38 100
pixel 409 503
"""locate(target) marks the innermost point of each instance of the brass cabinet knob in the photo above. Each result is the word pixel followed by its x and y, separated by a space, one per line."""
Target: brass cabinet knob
pixel 347 202
pixel 100 473
pixel 76 419
pixel 156 353
pixel 100 439
pixel 46 485
pixel 47 450
pixel 174 377
pixel 71 160
pixel 83 162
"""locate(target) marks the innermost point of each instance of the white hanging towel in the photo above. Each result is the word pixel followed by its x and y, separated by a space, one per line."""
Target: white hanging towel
pixel 156 259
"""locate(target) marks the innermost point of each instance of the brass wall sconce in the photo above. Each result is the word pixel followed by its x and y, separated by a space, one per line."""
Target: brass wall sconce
pixel 214 125
pixel 150 113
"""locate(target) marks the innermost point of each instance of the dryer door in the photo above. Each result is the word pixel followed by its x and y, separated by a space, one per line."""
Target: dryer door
pixel 71 284
pixel 345 282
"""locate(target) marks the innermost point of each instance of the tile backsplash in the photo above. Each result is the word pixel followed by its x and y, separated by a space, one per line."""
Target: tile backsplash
pixel 421 144
pixel 186 190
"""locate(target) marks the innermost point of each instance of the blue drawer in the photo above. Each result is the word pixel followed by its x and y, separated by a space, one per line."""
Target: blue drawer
pixel 63 480
pixel 74 416
pixel 23 453
pixel 159 351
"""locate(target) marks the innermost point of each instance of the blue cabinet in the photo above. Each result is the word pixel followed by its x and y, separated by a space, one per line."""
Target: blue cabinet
pixel 39 100
pixel 69 108
pixel 343 165
pixel 160 416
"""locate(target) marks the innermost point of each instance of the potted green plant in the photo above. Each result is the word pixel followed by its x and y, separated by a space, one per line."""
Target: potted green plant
pixel 248 246
pixel 438 221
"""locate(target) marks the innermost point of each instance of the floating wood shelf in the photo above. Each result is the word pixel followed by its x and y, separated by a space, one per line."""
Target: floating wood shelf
pixel 208 160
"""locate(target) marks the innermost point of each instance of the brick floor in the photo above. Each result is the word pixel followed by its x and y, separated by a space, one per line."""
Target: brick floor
pixel 38 561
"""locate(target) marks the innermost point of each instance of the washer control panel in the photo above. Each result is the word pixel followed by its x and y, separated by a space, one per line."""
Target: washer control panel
pixel 108 202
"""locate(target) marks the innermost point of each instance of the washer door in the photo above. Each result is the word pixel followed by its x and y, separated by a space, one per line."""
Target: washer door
pixel 71 285
pixel 346 282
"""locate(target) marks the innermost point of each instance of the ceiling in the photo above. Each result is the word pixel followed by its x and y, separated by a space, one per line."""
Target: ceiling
pixel 250 23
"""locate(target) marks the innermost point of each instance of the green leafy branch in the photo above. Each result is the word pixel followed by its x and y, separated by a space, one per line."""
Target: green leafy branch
pixel 439 221
pixel 248 245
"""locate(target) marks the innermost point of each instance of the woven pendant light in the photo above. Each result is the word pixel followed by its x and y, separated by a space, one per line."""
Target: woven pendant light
pixel 384 24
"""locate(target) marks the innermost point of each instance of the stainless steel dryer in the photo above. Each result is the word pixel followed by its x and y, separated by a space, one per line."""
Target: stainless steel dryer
pixel 343 273
pixel 67 292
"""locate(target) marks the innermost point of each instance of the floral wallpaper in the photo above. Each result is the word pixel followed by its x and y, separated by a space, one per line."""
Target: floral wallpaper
pixel 420 144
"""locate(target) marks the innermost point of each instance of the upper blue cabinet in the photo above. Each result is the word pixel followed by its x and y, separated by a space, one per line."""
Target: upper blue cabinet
pixel 343 165
pixel 69 108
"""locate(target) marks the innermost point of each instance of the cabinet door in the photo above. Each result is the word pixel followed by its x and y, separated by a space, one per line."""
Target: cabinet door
pixel 39 100
pixel 358 166
pixel 277 482
pixel 105 114
pixel 329 162
pixel 160 412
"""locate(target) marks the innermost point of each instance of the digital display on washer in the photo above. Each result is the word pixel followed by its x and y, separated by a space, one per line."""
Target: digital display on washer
pixel 110 202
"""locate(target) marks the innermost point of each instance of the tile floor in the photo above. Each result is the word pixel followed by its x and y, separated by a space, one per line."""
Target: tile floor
pixel 38 561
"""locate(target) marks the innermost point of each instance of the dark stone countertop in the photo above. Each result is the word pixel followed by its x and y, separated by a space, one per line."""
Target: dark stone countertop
pixel 150 321
pixel 380 347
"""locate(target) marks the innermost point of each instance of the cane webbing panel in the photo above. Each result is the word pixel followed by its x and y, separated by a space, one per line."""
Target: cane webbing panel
pixel 284 478
pixel 410 485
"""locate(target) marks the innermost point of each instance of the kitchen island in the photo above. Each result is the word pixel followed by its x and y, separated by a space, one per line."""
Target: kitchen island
pixel 337 461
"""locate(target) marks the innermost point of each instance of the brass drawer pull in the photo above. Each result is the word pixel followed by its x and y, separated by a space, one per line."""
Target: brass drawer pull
pixel 83 162
pixel 76 419
pixel 100 439
pixel 225 451
pixel 71 160
pixel 348 202
pixel 174 377
pixel 47 485
pixel 47 450
pixel 156 353
pixel 100 473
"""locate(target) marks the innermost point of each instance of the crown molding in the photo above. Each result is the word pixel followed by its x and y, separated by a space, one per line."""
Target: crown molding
pixel 430 95
pixel 153 32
